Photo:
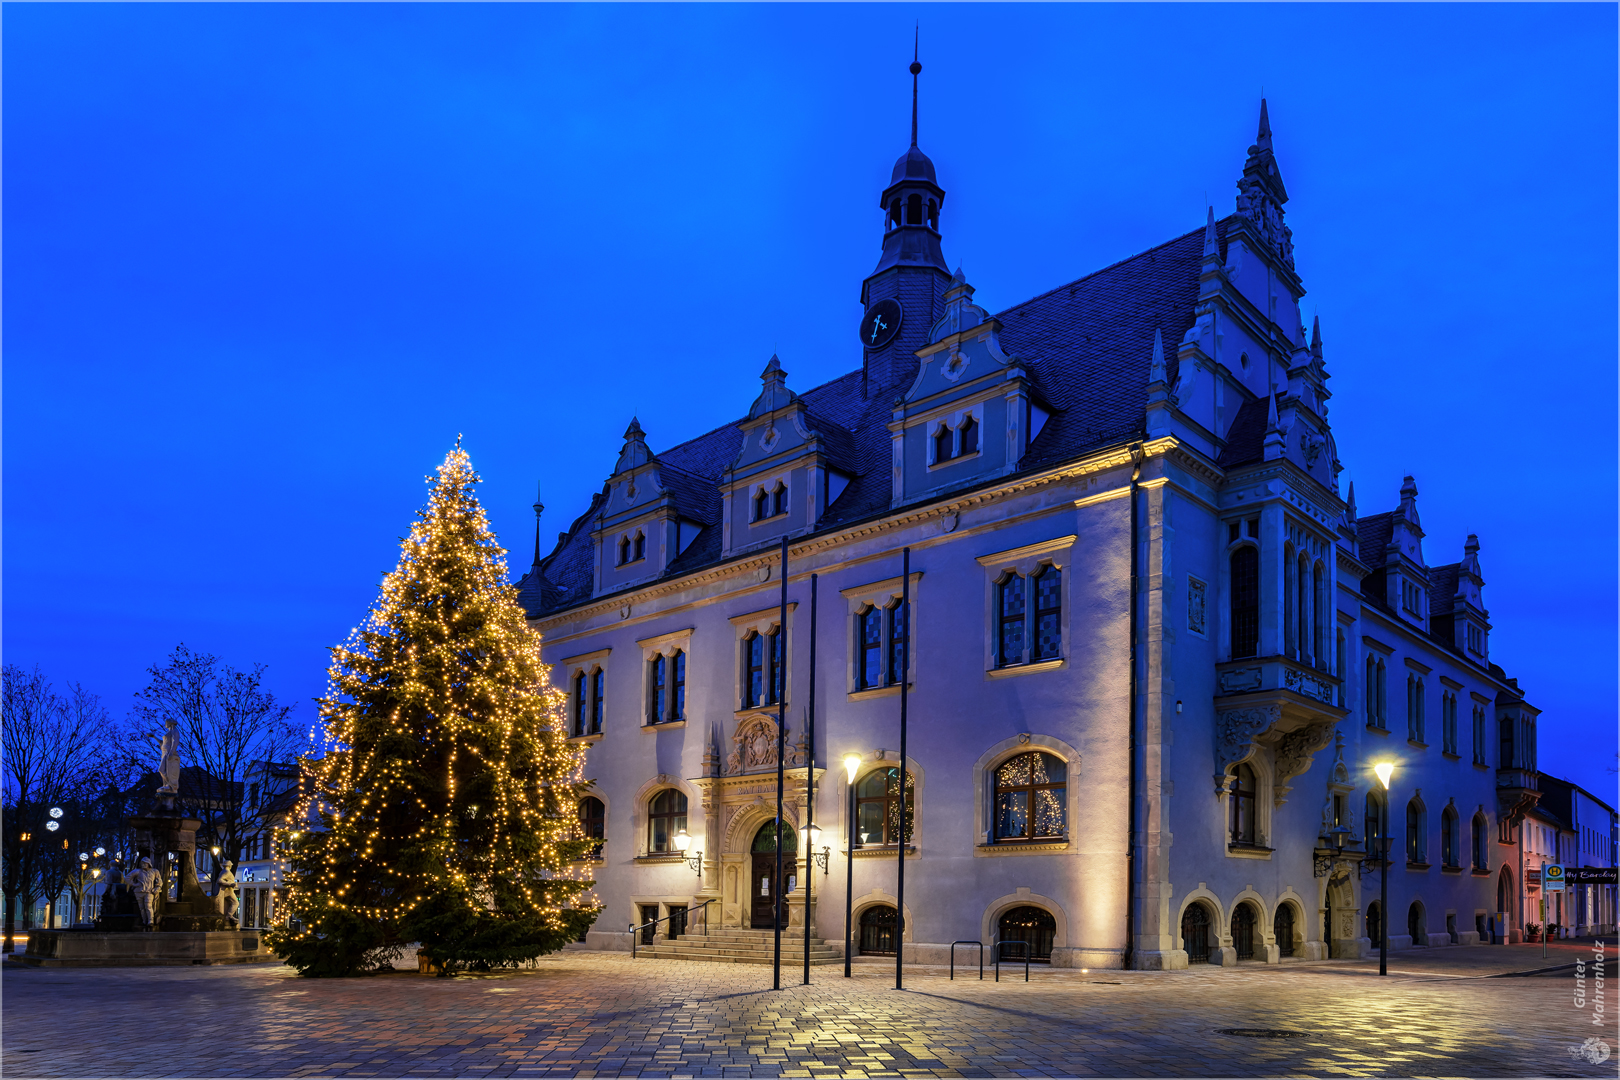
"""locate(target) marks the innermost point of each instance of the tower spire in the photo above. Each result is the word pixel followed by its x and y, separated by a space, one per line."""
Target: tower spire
pixel 916 69
pixel 539 508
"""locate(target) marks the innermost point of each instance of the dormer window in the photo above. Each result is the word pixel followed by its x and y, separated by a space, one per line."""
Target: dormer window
pixel 624 550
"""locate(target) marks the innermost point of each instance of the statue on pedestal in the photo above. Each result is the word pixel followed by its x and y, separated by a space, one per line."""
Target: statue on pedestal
pixel 146 883
pixel 169 760
pixel 225 901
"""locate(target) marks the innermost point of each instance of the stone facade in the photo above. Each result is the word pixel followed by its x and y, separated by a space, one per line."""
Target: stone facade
pixel 1130 475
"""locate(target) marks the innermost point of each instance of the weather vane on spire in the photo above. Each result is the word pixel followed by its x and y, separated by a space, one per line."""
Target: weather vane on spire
pixel 916 69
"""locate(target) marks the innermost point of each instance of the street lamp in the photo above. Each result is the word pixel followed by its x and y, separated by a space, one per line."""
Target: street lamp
pixel 695 861
pixel 817 852
pixel 852 762
pixel 1384 770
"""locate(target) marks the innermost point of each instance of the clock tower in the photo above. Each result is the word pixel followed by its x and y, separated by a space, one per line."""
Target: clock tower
pixel 905 294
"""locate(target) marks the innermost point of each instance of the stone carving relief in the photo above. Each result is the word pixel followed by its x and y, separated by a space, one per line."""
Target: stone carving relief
pixel 1255 203
pixel 753 747
pixel 1294 755
pixel 1236 682
pixel 1309 685
pixel 1235 731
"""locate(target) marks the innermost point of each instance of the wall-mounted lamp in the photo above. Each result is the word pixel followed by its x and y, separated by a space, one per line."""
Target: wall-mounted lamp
pixel 824 853
pixel 852 762
pixel 695 860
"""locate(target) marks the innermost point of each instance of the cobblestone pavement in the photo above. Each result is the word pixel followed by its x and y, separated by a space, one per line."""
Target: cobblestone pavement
pixel 1440 1013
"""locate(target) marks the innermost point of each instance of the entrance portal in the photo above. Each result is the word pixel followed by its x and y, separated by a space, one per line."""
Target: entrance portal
pixel 764 885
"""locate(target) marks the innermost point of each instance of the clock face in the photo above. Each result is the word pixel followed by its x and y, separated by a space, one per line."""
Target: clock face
pixel 881 323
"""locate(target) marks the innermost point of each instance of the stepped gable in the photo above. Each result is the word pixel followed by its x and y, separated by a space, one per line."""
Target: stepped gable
pixel 1086 344
pixel 1089 345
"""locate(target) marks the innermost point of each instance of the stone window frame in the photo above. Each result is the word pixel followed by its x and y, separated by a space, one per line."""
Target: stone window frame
pixel 984 804
pixel 1026 561
pixel 587 664
pixel 1261 762
pixel 871 761
pixel 1376 707
pixel 641 817
pixel 767 485
pixel 760 622
pixel 631 547
pixel 1449 814
pixel 1247 527
pixel 953 423
pixel 878 594
pixel 1416 841
pixel 666 645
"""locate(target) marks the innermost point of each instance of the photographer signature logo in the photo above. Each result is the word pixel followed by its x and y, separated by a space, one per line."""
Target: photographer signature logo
pixel 1594 1050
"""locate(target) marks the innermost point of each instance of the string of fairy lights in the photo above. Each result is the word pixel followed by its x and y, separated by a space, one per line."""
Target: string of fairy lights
pixel 442 777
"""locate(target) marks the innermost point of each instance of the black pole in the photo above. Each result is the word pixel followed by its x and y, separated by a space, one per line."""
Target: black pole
pixel 810 781
pixel 1128 958
pixel 781 758
pixel 1383 887
pixel 905 671
pixel 849 876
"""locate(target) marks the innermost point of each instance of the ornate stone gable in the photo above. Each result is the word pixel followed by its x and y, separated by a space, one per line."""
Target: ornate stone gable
pixel 753 747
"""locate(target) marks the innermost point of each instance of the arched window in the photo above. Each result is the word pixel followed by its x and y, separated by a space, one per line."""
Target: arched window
pixel 624 550
pixel 1450 845
pixel 1374 820
pixel 639 548
pixel 1031 797
pixel 1243 805
pixel 1374 927
pixel 1048 613
pixel 899 623
pixel 593 823
pixel 666 816
pixel 762 505
pixel 1303 615
pixel 1370 703
pixel 878 924
pixel 598 699
pixel 877 807
pixel 1245 602
pixel 1033 926
pixel 1482 851
pixel 1010 621
pixel 1283 927
pixel 969 433
pixel 1417 848
pixel 933 215
pixel 943 443
pixel 1319 637
pixel 779 504
pixel 914 211
pixel 678 690
pixel 1195 933
pixel 579 703
pixel 657 677
pixel 1243 920
pixel 1415 924
pixel 869 668
pixel 1504 891
pixel 754 683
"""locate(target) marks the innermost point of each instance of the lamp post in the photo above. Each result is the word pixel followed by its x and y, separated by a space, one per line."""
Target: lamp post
pixel 851 763
pixel 1384 770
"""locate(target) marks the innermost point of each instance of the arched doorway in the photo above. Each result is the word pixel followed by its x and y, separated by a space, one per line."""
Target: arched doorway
pixel 1243 920
pixel 764 884
pixel 1032 925
pixel 1374 927
pixel 1504 897
pixel 878 925
pixel 1415 925
pixel 1195 933
pixel 1283 927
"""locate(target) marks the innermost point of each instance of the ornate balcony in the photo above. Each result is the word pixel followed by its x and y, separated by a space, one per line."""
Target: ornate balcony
pixel 1277 703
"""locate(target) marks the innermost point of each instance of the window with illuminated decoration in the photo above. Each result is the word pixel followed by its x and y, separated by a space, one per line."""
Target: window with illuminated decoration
pixel 1031 797
pixel 666 817
pixel 877 807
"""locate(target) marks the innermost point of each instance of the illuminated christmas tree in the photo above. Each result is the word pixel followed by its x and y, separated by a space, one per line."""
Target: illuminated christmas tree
pixel 446 797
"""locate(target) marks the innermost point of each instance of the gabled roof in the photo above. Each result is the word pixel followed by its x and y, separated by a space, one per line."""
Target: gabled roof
pixel 1372 537
pixel 1443 589
pixel 1087 346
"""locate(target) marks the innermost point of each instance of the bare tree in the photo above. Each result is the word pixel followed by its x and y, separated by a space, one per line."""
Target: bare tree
pixel 57 748
pixel 233 737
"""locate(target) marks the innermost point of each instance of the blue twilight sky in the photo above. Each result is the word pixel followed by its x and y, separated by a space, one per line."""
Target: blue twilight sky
pixel 264 262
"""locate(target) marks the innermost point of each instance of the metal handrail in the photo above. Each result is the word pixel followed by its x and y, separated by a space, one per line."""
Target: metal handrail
pixel 964 941
pixel 999 945
pixel 635 931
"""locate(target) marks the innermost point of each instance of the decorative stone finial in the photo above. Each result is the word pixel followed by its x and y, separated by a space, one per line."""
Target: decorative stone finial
pixel 1261 194
pixel 774 393
pixel 635 450
pixel 1212 244
pixel 1316 336
pixel 1158 373
pixel 1470 562
pixel 1275 442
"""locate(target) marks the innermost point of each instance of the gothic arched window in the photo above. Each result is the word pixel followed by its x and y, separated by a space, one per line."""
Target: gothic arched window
pixel 943 444
pixel 1243 794
pixel 1031 797
pixel 579 703
pixel 762 505
pixel 624 550
pixel 969 433
pixel 779 504
pixel 1245 585
pixel 678 668
pixel 639 548
pixel 1482 851
pixel 598 699
pixel 657 677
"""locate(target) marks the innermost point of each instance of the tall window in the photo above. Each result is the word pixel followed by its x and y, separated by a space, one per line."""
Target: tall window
pixel 869 669
pixel 1319 607
pixel 639 548
pixel 1243 805
pixel 778 669
pixel 877 807
pixel 624 550
pixel 897 622
pixel 1373 817
pixel 1422 725
pixel 1370 698
pixel 580 703
pixel 1448 723
pixel 1505 730
pixel 1450 841
pixel 1479 735
pixel 1383 695
pixel 1411 708
pixel 593 823
pixel 969 435
pixel 754 682
pixel 666 816
pixel 678 694
pixel 1048 613
pixel 1031 796
pixel 1245 602
pixel 1290 601
pixel 779 496
pixel 1304 613
pixel 1417 847
pixel 762 505
pixel 942 444
pixel 1482 851
pixel 1010 621
pixel 598 699
pixel 657 676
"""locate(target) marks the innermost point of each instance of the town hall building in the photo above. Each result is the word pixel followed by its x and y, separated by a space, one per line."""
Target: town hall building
pixel 1155 652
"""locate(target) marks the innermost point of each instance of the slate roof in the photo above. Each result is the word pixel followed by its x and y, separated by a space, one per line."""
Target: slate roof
pixel 1246 438
pixel 1087 346
pixel 1442 589
pixel 1372 537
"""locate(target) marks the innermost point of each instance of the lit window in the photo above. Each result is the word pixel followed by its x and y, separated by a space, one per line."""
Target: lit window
pixel 877 807
pixel 666 818
pixel 1030 797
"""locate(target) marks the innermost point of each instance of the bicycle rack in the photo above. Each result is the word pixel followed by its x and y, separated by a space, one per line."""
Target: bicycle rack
pixel 1002 945
pixel 980 944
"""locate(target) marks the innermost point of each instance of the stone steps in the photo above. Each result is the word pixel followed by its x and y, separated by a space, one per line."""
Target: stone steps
pixel 741 947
